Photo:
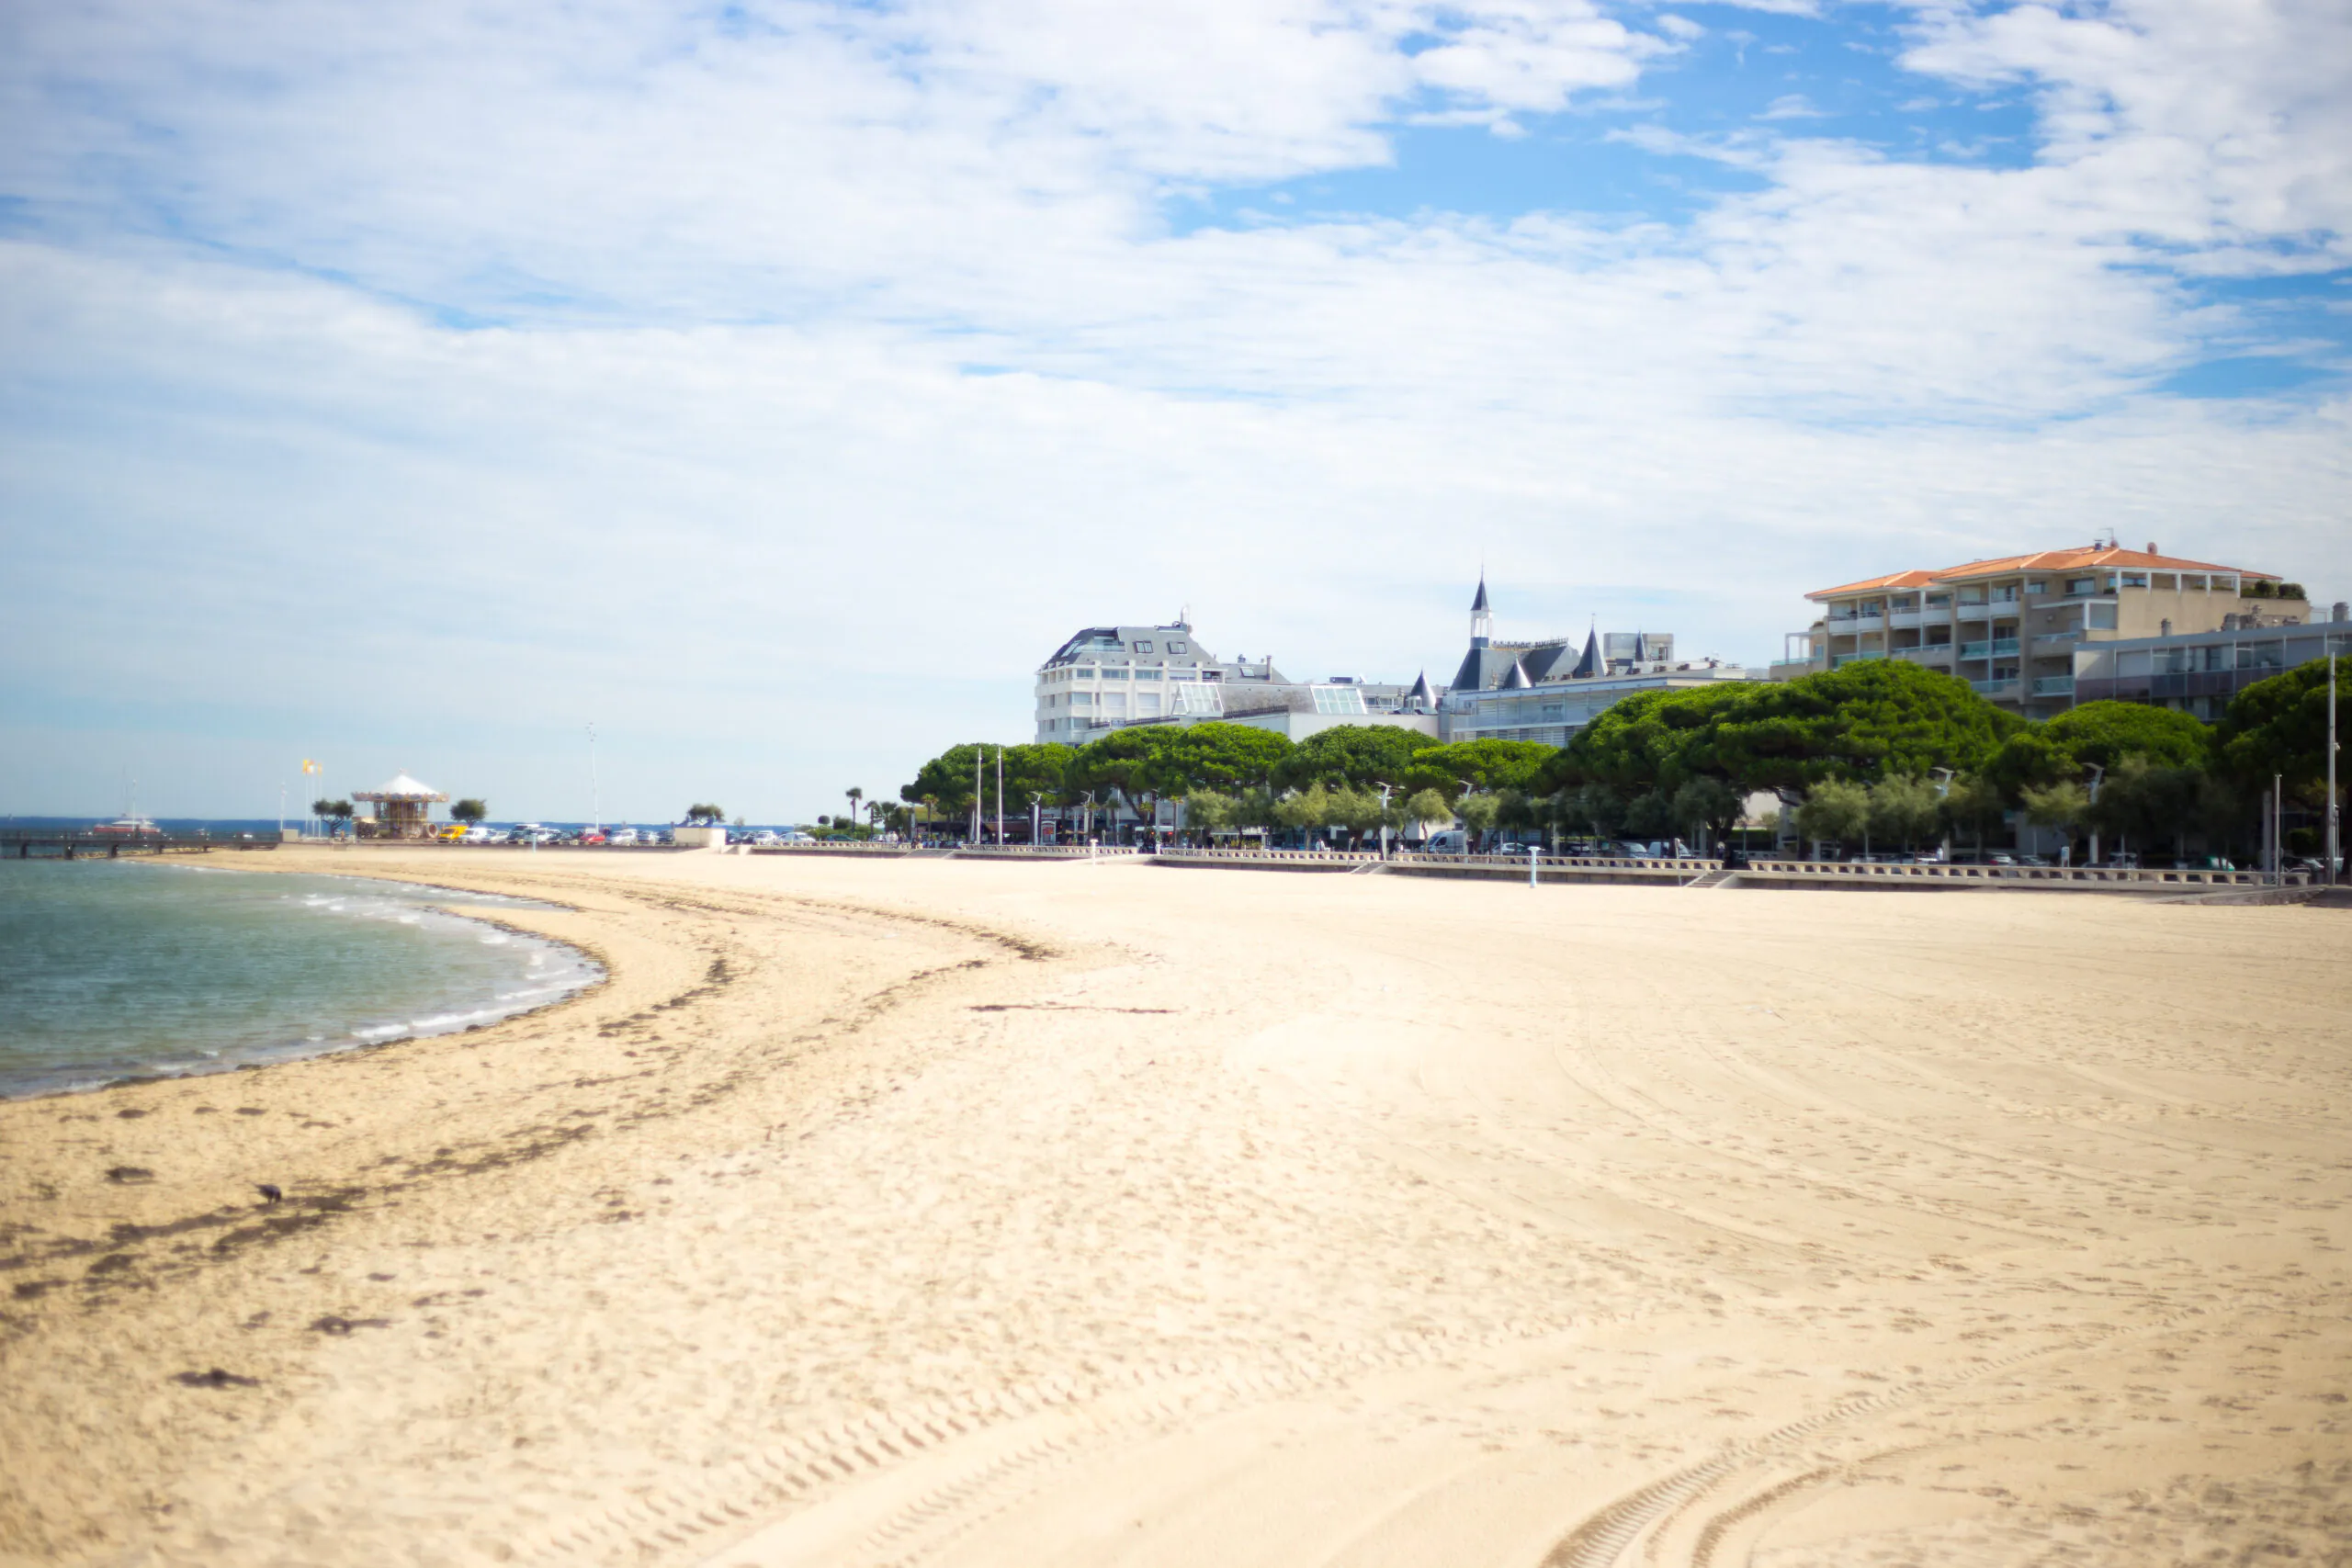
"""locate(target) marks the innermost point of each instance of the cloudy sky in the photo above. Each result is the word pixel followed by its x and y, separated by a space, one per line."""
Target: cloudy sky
pixel 774 385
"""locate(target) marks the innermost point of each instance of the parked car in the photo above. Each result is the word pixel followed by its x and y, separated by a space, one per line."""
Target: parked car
pixel 621 835
pixel 454 833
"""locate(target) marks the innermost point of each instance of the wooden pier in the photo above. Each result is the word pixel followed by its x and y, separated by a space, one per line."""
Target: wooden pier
pixel 54 843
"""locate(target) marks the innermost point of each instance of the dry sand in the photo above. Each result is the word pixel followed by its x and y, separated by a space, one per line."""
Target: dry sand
pixel 958 1213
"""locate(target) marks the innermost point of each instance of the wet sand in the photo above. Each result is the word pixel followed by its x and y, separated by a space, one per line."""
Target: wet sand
pixel 958 1213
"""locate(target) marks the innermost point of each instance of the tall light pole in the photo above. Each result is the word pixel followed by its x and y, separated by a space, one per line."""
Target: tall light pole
pixel 2098 776
pixel 1943 792
pixel 2334 827
pixel 999 798
pixel 1384 817
pixel 979 753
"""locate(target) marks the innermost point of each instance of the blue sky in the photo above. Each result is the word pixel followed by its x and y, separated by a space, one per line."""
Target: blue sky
pixel 772 384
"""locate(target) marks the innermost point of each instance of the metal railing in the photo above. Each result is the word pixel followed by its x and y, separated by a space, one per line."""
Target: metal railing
pixel 2078 876
pixel 2053 685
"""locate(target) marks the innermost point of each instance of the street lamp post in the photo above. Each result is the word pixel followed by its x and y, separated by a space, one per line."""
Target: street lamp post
pixel 2098 776
pixel 2334 846
pixel 1943 792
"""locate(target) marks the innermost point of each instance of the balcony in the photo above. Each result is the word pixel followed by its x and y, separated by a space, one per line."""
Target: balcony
pixel 2053 685
pixel 1973 612
pixel 2056 642
pixel 1936 652
pixel 2008 684
pixel 2005 647
pixel 1976 650
pixel 1840 660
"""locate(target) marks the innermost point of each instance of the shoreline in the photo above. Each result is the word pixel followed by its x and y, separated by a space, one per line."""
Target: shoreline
pixel 1250 1209
pixel 255 1058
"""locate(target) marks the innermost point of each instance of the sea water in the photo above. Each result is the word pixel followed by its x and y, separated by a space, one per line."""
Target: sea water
pixel 114 969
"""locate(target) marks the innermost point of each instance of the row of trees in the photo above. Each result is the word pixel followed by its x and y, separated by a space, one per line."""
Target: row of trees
pixel 1881 752
pixel 1889 752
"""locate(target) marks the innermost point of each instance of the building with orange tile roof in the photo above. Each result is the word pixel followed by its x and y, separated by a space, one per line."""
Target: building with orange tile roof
pixel 2012 625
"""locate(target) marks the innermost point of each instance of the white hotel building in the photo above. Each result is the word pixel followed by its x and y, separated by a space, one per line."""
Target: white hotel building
pixel 1109 676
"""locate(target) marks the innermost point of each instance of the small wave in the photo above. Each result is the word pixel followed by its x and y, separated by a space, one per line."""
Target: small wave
pixel 442 1023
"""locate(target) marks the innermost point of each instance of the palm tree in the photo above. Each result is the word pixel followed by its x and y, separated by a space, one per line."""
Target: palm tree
pixel 856 795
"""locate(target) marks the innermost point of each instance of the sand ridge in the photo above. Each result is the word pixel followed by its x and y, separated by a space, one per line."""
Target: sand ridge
pixel 961 1213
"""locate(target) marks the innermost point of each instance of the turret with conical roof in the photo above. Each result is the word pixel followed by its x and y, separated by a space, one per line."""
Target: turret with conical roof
pixel 1590 665
pixel 1482 619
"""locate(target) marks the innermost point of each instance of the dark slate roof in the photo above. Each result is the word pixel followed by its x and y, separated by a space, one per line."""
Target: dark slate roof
pixel 1590 665
pixel 1420 692
pixel 1515 678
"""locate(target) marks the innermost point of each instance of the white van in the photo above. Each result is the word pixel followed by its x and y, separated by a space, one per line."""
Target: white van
pixel 1451 842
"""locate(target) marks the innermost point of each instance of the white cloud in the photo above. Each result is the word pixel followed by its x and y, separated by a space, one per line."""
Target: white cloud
pixel 2224 128
pixel 852 360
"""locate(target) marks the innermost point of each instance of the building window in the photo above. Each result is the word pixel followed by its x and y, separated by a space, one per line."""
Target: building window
pixel 1143 648
pixel 2079 585
pixel 2135 579
pixel 2037 588
pixel 1148 703
pixel 1338 700
pixel 1082 699
pixel 1175 647
pixel 1147 674
pixel 2102 617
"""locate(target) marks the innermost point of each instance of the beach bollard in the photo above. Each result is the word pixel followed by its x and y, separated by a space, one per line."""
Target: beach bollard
pixel 1530 865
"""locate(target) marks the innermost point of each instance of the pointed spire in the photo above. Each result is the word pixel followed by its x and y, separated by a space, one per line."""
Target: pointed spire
pixel 1589 665
pixel 1482 618
pixel 1478 606
pixel 1420 692
pixel 1515 678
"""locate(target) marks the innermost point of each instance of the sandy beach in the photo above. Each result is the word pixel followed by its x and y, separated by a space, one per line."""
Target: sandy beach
pixel 943 1213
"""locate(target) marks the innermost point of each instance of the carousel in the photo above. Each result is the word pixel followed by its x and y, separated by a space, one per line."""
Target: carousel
pixel 403 810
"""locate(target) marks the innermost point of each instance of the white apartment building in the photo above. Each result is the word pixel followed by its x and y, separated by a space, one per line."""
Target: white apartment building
pixel 1107 677
pixel 2012 627
pixel 2199 672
